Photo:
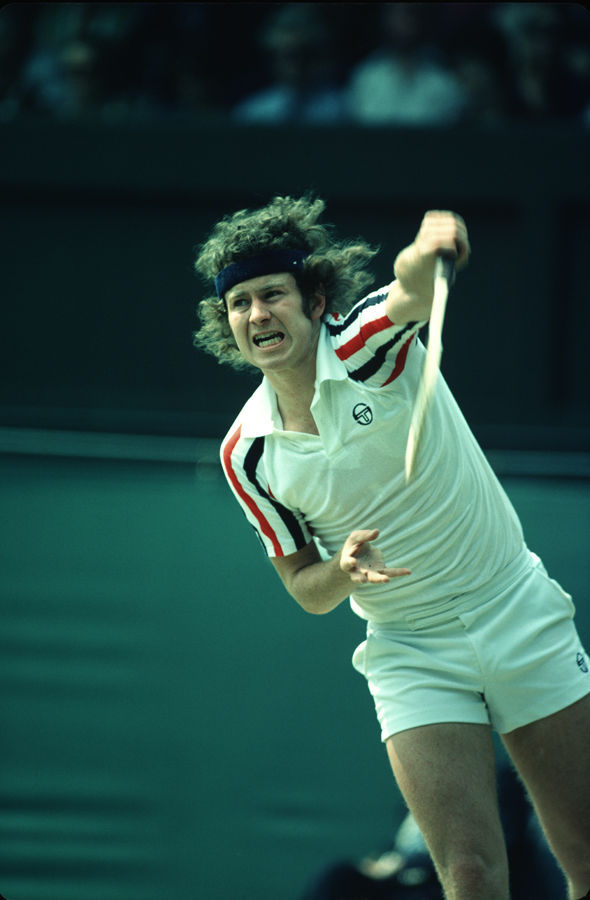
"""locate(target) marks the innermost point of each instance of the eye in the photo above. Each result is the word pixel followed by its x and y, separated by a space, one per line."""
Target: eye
pixel 238 302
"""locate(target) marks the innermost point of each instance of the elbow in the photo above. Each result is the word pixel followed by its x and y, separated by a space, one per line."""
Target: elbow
pixel 314 610
pixel 312 594
pixel 315 605
pixel 307 604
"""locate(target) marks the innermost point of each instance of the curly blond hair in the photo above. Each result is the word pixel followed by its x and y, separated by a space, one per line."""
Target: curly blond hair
pixel 337 267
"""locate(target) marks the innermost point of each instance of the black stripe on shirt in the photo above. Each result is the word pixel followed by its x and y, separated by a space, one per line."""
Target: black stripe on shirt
pixel 251 461
pixel 339 327
pixel 372 366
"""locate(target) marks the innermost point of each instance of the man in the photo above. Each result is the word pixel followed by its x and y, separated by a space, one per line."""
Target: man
pixel 465 629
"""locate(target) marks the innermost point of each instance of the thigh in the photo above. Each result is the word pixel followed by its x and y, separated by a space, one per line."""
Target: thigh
pixel 551 756
pixel 446 773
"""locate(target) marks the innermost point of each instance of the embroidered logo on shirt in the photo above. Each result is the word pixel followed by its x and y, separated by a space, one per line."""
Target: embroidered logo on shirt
pixel 581 661
pixel 363 414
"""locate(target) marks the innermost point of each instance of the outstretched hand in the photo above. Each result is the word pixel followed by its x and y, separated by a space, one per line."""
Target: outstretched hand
pixel 441 231
pixel 363 562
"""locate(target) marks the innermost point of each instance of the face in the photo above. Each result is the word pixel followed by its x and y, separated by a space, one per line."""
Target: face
pixel 271 330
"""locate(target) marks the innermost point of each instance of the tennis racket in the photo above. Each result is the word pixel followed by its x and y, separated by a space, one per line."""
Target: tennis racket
pixel 444 276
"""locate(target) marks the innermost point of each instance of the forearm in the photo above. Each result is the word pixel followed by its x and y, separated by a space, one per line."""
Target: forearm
pixel 321 586
pixel 414 274
pixel 410 295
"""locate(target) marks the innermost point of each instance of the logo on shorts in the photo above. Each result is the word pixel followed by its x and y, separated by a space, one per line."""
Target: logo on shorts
pixel 581 661
pixel 363 414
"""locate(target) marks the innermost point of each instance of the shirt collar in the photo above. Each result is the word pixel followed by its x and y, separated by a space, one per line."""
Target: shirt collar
pixel 260 415
pixel 328 366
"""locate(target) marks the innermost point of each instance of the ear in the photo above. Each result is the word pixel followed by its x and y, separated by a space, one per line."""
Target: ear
pixel 318 304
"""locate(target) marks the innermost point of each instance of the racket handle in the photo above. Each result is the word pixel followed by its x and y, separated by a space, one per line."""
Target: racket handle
pixel 445 267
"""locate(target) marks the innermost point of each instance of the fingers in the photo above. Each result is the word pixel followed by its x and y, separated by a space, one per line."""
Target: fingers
pixel 397 572
pixel 370 576
pixel 363 562
pixel 356 542
pixel 443 230
pixel 382 576
pixel 363 536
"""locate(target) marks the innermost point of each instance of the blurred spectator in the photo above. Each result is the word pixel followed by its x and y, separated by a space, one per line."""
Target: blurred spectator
pixel 177 69
pixel 544 87
pixel 578 54
pixel 12 40
pixel 78 64
pixel 78 82
pixel 302 63
pixel 197 85
pixel 477 54
pixel 405 81
pixel 436 64
pixel 83 80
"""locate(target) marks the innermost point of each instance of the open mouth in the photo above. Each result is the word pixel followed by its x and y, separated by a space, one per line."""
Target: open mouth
pixel 272 339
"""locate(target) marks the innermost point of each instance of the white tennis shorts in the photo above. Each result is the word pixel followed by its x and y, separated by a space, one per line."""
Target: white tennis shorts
pixel 507 663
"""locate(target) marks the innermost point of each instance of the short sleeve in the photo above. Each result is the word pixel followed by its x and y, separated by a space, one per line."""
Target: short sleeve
pixel 281 530
pixel 372 347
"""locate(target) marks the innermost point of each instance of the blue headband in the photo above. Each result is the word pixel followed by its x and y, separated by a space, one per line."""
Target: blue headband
pixel 264 264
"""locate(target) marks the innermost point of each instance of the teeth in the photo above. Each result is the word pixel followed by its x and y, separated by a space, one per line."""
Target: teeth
pixel 268 340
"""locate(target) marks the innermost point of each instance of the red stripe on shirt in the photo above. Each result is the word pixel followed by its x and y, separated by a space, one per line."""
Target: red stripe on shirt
pixel 265 526
pixel 400 361
pixel 359 340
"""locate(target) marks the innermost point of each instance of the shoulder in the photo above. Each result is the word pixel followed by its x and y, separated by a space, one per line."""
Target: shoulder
pixel 241 433
pixel 370 309
pixel 372 348
pixel 242 460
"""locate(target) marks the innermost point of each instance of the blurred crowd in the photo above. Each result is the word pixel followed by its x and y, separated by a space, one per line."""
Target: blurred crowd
pixel 387 64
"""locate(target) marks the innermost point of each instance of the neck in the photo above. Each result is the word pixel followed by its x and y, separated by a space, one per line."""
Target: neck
pixel 295 392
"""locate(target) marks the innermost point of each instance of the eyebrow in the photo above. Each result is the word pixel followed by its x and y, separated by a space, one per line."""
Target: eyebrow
pixel 234 295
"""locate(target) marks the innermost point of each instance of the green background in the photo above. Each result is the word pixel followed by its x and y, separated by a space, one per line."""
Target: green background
pixel 173 725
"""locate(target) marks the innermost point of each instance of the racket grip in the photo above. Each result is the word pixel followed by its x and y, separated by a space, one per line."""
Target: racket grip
pixel 445 267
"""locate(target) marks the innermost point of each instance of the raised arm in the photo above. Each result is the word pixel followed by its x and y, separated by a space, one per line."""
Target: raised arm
pixel 319 586
pixel 410 295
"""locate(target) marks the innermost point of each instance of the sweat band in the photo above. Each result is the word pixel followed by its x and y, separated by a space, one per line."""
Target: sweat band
pixel 263 264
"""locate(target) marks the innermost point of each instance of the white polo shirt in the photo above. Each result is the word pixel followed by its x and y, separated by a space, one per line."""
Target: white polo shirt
pixel 453 525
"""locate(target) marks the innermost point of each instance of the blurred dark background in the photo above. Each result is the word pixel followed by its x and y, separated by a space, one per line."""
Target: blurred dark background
pixel 173 726
pixel 129 129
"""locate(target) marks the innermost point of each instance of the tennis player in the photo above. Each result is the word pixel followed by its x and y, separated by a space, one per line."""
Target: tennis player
pixel 466 631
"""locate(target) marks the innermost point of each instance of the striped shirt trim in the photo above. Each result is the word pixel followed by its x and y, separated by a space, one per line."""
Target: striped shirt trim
pixel 400 361
pixel 362 332
pixel 359 340
pixel 263 522
pixel 251 460
pixel 370 368
pixel 355 312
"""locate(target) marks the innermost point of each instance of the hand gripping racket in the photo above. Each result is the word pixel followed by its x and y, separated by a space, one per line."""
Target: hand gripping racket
pixel 444 276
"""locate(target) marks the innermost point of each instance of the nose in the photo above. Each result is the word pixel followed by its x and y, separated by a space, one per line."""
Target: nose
pixel 259 312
